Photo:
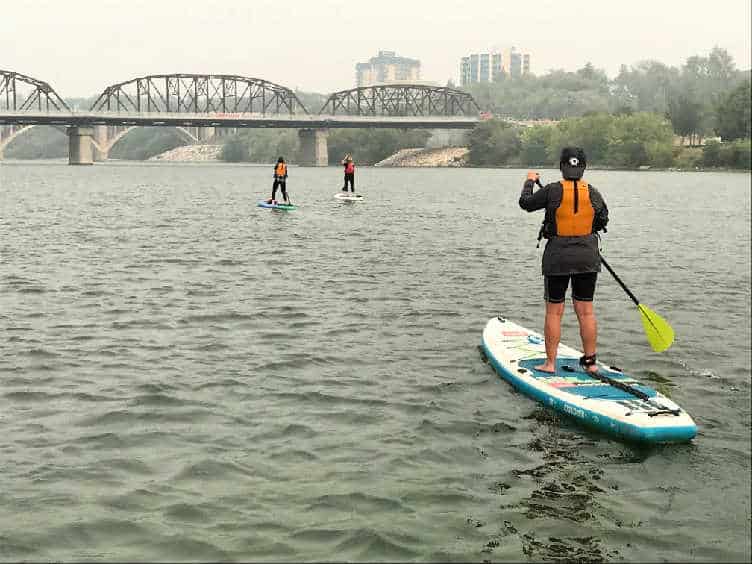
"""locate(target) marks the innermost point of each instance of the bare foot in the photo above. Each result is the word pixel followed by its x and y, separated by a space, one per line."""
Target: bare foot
pixel 546 367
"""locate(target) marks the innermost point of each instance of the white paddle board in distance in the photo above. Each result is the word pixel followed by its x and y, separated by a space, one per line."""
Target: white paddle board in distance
pixel 619 406
pixel 348 197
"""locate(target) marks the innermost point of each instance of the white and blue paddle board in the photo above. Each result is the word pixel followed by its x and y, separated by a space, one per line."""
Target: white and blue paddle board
pixel 265 204
pixel 647 416
pixel 348 197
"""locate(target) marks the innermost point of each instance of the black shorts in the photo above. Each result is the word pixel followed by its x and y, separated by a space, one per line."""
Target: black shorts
pixel 583 287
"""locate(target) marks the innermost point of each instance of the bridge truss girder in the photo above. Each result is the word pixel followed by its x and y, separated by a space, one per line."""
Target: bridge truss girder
pixel 396 100
pixel 21 93
pixel 197 94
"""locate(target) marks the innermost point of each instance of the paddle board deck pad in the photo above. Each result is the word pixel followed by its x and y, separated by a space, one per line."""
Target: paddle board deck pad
pixel 264 204
pixel 348 197
pixel 514 352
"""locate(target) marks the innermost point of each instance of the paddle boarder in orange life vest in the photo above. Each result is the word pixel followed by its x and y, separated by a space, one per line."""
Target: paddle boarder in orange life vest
pixel 349 165
pixel 575 212
pixel 280 181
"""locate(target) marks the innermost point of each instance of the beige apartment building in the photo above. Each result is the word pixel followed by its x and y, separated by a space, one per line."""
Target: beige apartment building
pixel 387 68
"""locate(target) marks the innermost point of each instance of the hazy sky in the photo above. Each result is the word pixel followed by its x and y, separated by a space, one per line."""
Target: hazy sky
pixel 81 46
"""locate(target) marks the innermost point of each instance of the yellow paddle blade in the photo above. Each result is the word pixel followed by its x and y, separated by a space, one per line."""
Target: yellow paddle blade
pixel 659 333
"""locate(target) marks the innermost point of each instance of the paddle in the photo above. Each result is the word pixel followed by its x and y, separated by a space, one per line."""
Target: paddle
pixel 659 333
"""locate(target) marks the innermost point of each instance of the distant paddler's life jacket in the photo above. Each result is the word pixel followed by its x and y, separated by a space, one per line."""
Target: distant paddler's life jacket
pixel 574 216
pixel 349 167
pixel 281 170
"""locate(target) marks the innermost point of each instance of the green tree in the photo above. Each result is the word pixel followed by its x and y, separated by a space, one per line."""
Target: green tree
pixel 640 139
pixel 535 146
pixel 234 150
pixel 685 114
pixel 493 143
pixel 593 133
pixel 733 113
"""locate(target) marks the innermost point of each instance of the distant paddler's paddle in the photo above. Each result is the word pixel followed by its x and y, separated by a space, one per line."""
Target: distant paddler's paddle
pixel 659 333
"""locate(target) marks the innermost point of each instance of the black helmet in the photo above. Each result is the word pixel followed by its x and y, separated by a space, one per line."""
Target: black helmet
pixel 572 162
pixel 280 160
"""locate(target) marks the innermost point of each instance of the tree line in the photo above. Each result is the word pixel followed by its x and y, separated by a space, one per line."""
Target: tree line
pixel 626 140
pixel 703 97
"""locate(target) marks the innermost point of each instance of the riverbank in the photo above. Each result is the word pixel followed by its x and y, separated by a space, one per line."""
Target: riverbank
pixel 190 153
pixel 419 157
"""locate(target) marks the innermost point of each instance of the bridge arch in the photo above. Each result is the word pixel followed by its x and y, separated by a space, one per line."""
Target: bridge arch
pixel 8 133
pixel 198 94
pixel 399 100
pixel 105 143
pixel 21 93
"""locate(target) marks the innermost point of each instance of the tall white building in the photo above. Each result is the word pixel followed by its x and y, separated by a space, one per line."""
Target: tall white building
pixel 489 67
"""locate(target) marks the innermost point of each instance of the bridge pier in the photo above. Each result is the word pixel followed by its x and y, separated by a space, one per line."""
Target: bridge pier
pixel 205 133
pixel 99 148
pixel 314 150
pixel 80 146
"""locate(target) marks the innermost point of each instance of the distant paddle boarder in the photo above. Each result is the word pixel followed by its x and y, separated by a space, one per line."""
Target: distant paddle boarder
pixel 349 165
pixel 280 181
pixel 575 212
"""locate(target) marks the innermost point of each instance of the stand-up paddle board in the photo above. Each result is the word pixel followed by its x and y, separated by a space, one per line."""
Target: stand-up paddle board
pixel 264 204
pixel 349 197
pixel 613 402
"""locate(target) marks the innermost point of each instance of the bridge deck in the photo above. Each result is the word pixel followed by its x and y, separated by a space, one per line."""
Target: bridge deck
pixel 83 119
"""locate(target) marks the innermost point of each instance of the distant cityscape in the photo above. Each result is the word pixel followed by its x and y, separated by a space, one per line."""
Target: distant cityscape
pixel 389 68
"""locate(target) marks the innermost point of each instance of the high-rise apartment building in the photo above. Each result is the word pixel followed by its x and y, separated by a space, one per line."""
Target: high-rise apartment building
pixel 489 67
pixel 387 68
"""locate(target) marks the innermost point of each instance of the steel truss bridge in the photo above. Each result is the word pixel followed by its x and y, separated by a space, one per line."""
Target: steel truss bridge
pixel 198 104
pixel 401 100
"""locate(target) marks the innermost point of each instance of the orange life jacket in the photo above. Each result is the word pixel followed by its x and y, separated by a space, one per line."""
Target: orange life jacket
pixel 575 214
pixel 281 170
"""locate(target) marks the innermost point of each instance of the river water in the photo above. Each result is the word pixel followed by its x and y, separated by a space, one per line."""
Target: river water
pixel 185 376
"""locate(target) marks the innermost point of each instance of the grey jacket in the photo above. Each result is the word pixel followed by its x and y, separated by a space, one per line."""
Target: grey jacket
pixel 565 255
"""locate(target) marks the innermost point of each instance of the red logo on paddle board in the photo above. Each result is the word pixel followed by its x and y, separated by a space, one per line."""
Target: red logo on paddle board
pixel 514 333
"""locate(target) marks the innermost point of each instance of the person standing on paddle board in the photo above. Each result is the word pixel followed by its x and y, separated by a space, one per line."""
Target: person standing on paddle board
pixel 280 181
pixel 349 165
pixel 575 212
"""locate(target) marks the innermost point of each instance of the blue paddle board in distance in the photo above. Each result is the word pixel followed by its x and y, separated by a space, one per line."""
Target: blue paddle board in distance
pixel 264 204
pixel 620 406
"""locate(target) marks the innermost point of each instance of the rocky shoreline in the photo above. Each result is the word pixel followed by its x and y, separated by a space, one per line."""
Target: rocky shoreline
pixel 418 157
pixel 190 153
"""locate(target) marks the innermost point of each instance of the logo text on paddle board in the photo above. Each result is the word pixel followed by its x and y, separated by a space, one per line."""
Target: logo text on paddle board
pixel 514 333
pixel 575 411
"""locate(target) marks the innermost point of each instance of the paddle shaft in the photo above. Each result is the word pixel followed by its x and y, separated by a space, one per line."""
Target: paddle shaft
pixel 623 286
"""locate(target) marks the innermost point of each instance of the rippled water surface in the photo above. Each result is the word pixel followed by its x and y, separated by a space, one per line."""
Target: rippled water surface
pixel 185 376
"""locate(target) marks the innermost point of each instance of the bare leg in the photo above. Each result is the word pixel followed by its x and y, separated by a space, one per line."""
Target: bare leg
pixel 588 328
pixel 552 332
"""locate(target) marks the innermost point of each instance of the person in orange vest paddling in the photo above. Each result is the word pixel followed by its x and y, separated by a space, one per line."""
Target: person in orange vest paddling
pixel 575 212
pixel 280 181
pixel 349 165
